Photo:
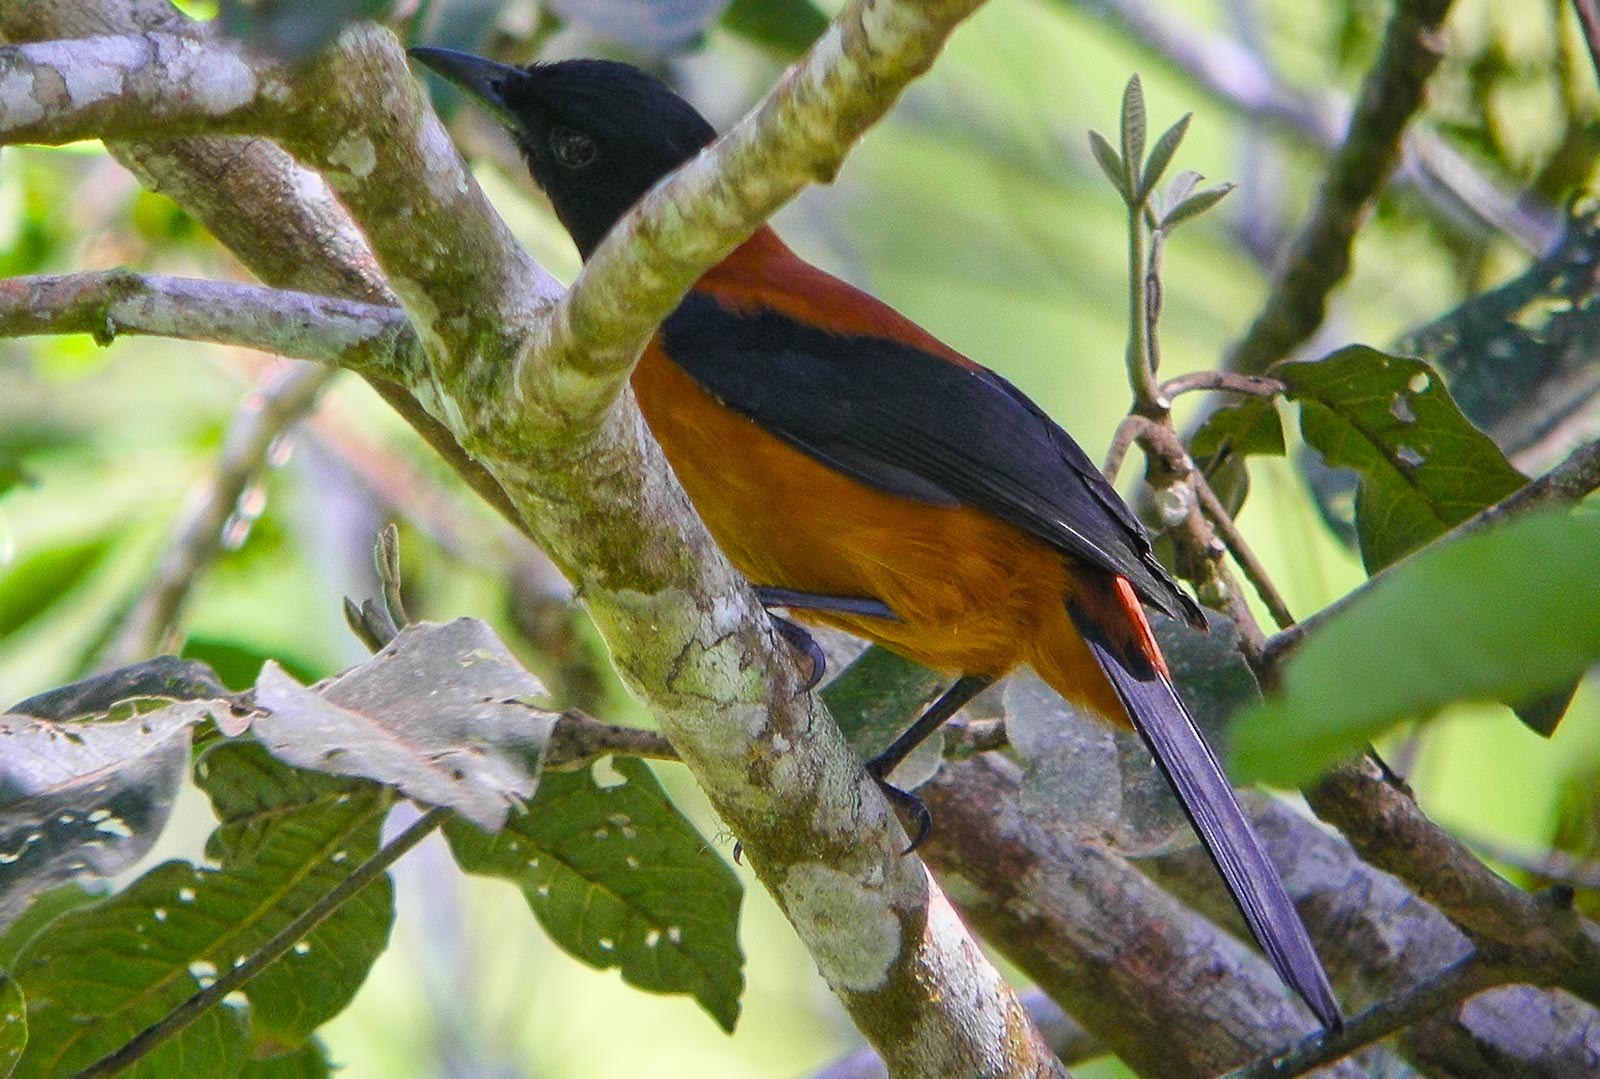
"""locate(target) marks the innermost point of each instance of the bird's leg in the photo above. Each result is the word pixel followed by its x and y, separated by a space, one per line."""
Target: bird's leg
pixel 879 768
pixel 802 641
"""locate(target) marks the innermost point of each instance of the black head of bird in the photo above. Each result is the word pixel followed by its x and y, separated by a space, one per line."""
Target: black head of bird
pixel 596 134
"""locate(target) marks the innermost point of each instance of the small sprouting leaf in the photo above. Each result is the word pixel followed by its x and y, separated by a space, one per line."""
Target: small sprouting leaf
pixel 438 713
pixel 619 878
pixel 1424 468
pixel 1458 622
pixel 13 1024
pixel 1194 205
pixel 1110 164
pixel 85 798
pixel 1162 152
pixel 1134 126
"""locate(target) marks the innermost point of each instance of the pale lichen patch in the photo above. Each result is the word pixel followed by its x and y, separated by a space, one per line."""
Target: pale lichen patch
pixel 355 155
pixel 849 930
pixel 16 99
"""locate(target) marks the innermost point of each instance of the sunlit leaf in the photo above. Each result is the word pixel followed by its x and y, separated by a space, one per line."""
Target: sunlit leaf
pixel 1504 613
pixel 438 713
pixel 1424 468
pixel 620 879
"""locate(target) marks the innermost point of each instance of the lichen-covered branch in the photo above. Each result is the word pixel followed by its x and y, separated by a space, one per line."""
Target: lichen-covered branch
pixel 364 337
pixel 133 85
pixel 1319 255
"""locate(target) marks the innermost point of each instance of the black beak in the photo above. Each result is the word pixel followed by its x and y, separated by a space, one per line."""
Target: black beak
pixel 482 80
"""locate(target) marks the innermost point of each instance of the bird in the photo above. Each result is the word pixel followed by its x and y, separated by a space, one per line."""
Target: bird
pixel 864 475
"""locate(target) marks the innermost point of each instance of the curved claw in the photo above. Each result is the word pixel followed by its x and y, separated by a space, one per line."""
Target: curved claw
pixel 919 820
pixel 806 645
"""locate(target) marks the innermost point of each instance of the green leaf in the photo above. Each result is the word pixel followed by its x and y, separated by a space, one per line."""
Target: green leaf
pixel 1194 205
pixel 1134 126
pixel 310 1061
pixel 101 973
pixel 619 878
pixel 1507 612
pixel 1424 468
pixel 785 27
pixel 44 909
pixel 438 713
pixel 13 1024
pixel 34 584
pixel 1110 164
pixel 1161 154
pixel 1227 437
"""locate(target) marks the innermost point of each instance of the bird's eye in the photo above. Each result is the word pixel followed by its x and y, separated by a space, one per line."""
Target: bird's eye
pixel 573 149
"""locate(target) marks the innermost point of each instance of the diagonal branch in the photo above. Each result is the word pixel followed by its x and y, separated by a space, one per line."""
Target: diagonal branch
pixel 1319 256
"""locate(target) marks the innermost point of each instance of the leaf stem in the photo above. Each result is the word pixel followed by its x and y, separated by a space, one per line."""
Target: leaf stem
pixel 147 1040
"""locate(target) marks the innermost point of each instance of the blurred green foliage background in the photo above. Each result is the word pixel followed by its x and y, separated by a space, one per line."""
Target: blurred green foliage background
pixel 975 209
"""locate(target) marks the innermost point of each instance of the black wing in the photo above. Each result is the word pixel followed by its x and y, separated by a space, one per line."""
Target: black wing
pixel 900 420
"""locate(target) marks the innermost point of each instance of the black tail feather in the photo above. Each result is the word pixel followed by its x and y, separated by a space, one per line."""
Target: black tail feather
pixel 1166 726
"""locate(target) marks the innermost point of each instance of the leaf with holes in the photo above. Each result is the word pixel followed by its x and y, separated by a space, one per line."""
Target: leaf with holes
pixel 1424 468
pixel 99 974
pixel 1504 613
pixel 13 1024
pixel 438 713
pixel 619 878
pixel 86 797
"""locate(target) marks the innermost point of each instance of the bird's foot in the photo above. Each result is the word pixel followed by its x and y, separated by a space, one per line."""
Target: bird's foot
pixel 806 645
pixel 919 821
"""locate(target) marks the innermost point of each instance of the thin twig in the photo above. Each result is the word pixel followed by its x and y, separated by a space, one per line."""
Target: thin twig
pixel 274 949
pixel 1228 381
pixel 1451 987
pixel 196 538
pixel 1556 866
pixel 1319 256
pixel 1254 571
pixel 1128 432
